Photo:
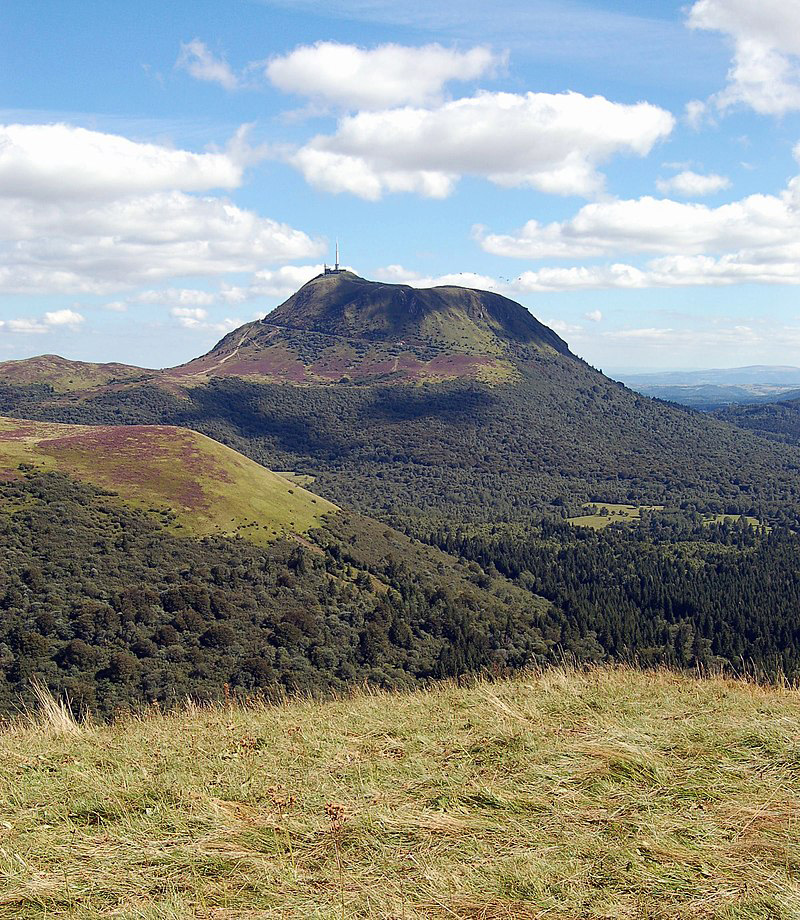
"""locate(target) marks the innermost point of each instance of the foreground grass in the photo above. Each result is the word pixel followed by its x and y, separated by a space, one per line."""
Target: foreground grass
pixel 611 793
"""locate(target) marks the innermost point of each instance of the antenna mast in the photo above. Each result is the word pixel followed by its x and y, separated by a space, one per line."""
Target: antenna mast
pixel 327 270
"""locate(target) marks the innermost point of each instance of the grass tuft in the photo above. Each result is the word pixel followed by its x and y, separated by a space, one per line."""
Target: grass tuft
pixel 53 715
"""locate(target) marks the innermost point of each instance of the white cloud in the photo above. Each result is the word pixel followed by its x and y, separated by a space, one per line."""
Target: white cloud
pixel 386 76
pixel 192 313
pixel 696 111
pixel 196 59
pixel 63 318
pixel 116 306
pixel 59 319
pixel 397 274
pixel 26 326
pixel 762 227
pixel 84 211
pixel 99 247
pixel 594 316
pixel 58 162
pixel 765 72
pixel 177 296
pixel 551 142
pixel 197 318
pixel 689 184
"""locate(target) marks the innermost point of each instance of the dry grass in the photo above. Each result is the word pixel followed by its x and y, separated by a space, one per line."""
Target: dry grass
pixel 565 795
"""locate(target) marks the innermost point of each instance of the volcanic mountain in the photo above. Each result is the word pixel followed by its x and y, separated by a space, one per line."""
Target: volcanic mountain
pixel 431 406
pixel 339 326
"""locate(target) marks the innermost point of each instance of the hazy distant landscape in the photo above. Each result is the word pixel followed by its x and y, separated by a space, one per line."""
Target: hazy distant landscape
pixel 713 389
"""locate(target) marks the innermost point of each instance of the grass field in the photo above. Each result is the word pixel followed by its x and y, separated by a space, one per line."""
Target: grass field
pixel 565 795
pixel 602 514
pixel 209 487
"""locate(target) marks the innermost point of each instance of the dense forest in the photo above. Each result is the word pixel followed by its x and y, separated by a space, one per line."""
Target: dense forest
pixel 675 589
pixel 562 436
pixel 779 421
pixel 104 604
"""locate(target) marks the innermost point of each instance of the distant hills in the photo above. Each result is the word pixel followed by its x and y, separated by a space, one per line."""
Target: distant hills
pixel 712 389
pixel 778 420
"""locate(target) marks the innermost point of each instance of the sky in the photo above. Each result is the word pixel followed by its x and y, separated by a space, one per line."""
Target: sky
pixel 629 172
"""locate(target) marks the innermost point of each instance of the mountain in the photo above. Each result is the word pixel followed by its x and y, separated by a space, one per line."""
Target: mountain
pixel 460 546
pixel 343 326
pixel 205 487
pixel 428 406
pixel 715 388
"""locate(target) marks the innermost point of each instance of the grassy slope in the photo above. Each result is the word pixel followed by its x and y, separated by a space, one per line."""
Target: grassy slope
pixel 610 794
pixel 209 487
pixel 66 376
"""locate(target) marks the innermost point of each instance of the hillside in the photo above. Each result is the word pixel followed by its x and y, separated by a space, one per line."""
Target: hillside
pixel 119 607
pixel 778 421
pixel 207 487
pixel 65 376
pixel 604 794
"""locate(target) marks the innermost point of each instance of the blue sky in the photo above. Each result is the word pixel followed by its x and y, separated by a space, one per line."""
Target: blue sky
pixel 168 171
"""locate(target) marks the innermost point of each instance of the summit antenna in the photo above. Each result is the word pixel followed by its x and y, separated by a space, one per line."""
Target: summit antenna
pixel 335 270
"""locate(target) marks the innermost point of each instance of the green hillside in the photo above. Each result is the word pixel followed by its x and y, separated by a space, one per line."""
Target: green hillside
pixel 600 794
pixel 209 488
pixel 65 376
pixel 778 421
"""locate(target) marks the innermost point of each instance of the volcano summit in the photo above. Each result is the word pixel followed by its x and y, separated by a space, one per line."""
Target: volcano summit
pixel 340 325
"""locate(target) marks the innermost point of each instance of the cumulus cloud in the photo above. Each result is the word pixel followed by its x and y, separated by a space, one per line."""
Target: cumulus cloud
pixel 271 283
pixel 63 162
pixel 196 59
pixel 764 228
pixel 85 211
pixel 63 318
pixel 177 296
pixel 197 318
pixel 397 274
pixel 99 247
pixel 753 240
pixel 689 184
pixel 551 142
pixel 594 316
pixel 59 319
pixel 389 75
pixel 765 71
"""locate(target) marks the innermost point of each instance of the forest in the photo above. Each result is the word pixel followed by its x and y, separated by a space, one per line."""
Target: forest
pixel 105 605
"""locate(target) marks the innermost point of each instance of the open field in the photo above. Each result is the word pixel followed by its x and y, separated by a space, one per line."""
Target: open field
pixel 602 514
pixel 600 794
pixel 209 487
